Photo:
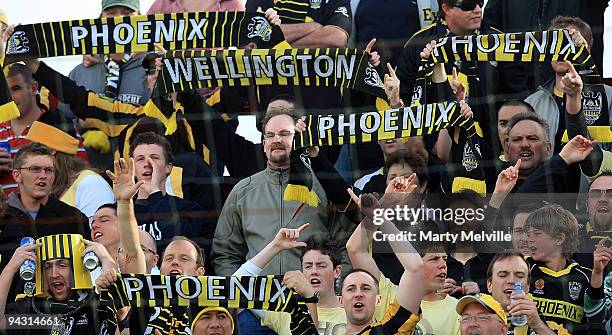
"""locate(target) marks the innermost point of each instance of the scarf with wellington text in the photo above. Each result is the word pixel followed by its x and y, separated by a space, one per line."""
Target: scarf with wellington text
pixel 169 293
pixel 347 68
pixel 131 34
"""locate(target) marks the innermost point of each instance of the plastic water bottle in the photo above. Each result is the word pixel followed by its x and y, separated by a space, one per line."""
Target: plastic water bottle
pixel 28 267
pixel 518 320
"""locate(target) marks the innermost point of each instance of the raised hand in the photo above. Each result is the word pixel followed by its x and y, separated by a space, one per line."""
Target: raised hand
pixel 297 281
pixel 124 187
pixel 466 110
pixel 577 38
pixel 601 256
pixel 577 149
pixel 392 88
pixel 399 191
pixel 272 17
pixel 428 49
pixel 288 238
pixel 366 202
pixel 374 56
pixel 571 83
pixel 457 86
pixel 522 305
pixel 106 279
pixel 402 184
pixel 24 252
pixel 106 261
pixel 507 178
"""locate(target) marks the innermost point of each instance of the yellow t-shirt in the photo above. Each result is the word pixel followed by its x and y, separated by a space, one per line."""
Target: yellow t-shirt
pixel 439 317
pixel 332 321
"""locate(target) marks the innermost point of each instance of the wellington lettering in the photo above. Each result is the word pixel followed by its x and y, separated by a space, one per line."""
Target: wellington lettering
pixel 259 65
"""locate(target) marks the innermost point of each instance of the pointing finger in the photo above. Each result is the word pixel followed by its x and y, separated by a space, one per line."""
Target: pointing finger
pixel 391 70
pixel 370 45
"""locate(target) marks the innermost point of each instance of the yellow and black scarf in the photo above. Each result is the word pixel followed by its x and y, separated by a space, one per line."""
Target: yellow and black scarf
pixel 131 34
pixel 541 46
pixel 338 129
pixel 347 68
pixel 262 292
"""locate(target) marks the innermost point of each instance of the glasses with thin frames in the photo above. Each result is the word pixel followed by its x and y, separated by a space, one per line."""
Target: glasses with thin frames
pixel 283 134
pixel 38 169
pixel 477 318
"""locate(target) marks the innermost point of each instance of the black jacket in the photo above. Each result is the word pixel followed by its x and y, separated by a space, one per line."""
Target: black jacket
pixel 535 15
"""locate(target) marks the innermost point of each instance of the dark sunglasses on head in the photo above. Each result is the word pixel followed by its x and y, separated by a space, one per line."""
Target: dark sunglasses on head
pixel 468 5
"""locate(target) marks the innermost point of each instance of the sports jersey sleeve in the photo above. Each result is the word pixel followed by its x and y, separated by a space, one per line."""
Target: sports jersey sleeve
pixel 277 321
pixel 387 291
pixel 338 13
pixel 397 320
pixel 108 115
pixel 251 5
pixel 596 307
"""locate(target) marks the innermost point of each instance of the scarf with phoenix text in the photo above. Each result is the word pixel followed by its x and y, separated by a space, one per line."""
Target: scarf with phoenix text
pixel 542 46
pixel 325 130
pixel 176 292
pixel 347 68
pixel 131 34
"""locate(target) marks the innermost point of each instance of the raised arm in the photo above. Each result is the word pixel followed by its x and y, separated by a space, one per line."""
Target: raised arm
pixel 411 288
pixel 357 245
pixel 124 189
pixel 24 252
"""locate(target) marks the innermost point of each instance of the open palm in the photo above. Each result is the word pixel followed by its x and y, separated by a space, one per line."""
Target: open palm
pixel 124 186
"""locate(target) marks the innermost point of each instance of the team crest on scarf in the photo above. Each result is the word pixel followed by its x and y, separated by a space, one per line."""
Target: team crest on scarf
pixel 591 105
pixel 574 289
pixel 63 327
pixel 372 78
pixel 315 4
pixel 259 27
pixel 469 160
pixel 18 43
pixel 29 288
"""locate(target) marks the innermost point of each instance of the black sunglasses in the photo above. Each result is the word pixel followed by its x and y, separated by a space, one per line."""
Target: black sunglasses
pixel 468 5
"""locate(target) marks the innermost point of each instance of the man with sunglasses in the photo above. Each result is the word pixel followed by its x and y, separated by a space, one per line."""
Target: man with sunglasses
pixel 457 18
pixel 599 214
pixel 34 211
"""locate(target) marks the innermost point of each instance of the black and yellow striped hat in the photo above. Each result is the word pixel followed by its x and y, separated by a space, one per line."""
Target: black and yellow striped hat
pixel 62 246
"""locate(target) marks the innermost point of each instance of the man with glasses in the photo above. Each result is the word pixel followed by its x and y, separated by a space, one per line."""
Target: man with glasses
pixel 255 210
pixel 479 80
pixel 598 209
pixel 481 314
pixel 34 211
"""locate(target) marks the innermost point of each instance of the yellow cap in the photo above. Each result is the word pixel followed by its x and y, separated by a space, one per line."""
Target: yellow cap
pixel 62 246
pixel 210 309
pixel 53 138
pixel 486 301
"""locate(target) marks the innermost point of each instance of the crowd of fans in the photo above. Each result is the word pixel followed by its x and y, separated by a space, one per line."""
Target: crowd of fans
pixel 84 158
